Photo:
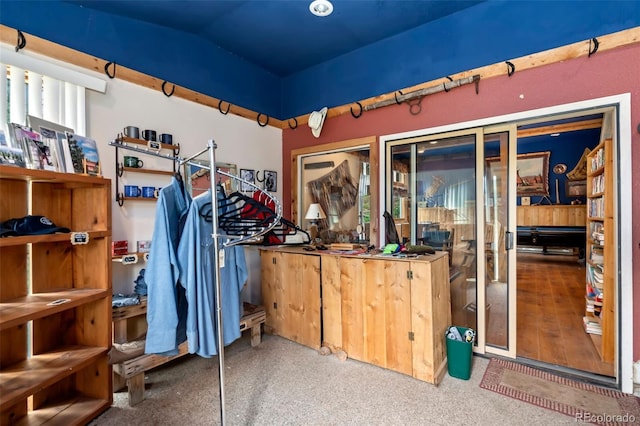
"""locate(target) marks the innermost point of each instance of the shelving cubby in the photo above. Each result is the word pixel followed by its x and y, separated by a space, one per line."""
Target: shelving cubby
pixel 55 300
pixel 600 256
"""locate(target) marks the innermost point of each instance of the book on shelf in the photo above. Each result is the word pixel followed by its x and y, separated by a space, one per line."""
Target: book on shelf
pixel 84 154
pixel 37 153
pixel 10 155
pixel 591 326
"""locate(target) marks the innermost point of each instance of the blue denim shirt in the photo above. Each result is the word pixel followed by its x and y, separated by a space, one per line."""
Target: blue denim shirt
pixel 166 302
pixel 197 275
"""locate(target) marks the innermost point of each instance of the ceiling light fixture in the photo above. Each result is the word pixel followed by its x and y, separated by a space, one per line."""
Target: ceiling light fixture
pixel 554 135
pixel 321 7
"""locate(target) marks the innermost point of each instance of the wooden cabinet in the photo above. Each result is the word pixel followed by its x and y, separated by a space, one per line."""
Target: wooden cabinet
pixel 600 314
pixel 388 312
pixel 291 295
pixel 55 300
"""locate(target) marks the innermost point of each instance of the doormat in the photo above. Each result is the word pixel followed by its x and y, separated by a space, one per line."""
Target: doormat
pixel 582 401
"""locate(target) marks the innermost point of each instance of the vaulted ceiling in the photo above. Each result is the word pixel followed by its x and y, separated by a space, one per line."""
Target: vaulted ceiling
pixel 276 58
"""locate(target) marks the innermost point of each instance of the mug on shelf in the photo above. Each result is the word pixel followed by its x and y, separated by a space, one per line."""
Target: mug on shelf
pixel 132 132
pixel 134 162
pixel 166 138
pixel 149 192
pixel 149 135
pixel 132 191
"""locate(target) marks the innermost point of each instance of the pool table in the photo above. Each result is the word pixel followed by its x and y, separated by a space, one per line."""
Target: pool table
pixel 554 236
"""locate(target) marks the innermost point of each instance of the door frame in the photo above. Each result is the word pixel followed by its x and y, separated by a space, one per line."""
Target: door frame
pixel 622 103
pixel 512 290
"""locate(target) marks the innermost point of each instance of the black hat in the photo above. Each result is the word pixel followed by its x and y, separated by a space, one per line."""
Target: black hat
pixel 32 225
pixel 6 232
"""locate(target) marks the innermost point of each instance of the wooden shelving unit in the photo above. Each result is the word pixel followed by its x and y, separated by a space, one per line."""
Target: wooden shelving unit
pixel 55 300
pixel 130 321
pixel 140 146
pixel 600 315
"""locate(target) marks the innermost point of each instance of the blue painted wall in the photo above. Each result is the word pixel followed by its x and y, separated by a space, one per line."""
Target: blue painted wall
pixel 566 149
pixel 484 34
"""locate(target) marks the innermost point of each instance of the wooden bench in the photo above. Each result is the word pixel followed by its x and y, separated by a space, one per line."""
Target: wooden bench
pixel 130 372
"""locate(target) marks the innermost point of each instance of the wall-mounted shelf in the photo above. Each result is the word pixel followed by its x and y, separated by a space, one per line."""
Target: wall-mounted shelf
pixel 144 147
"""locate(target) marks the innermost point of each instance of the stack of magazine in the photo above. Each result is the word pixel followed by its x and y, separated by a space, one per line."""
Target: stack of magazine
pixel 48 146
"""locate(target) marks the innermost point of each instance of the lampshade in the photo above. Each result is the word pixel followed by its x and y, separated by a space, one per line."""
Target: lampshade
pixel 315 212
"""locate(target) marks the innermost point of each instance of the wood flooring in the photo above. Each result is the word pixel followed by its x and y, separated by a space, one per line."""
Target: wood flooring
pixel 550 308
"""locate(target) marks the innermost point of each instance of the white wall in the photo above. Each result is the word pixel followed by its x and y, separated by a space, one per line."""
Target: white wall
pixel 239 140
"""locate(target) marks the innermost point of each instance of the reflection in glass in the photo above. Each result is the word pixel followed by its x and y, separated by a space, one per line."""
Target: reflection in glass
pixel 198 179
pixel 496 219
pixel 441 180
pixel 340 183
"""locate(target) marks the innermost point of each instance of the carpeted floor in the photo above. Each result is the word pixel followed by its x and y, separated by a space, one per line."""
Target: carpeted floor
pixel 283 383
pixel 578 400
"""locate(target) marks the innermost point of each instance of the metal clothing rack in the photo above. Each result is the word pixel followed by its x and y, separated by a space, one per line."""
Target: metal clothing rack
pixel 231 239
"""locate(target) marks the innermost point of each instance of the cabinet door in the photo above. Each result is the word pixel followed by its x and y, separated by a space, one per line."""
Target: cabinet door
pixel 269 292
pixel 430 318
pixel 376 312
pixel 291 295
pixel 298 286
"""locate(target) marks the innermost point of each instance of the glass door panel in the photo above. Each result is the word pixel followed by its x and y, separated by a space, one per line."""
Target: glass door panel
pixel 441 178
pixel 499 280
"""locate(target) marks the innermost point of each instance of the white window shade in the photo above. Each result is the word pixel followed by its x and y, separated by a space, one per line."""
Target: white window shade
pixel 44 88
pixel 46 66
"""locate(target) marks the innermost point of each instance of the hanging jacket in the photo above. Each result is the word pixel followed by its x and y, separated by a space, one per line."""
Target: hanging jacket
pixel 166 302
pixel 198 276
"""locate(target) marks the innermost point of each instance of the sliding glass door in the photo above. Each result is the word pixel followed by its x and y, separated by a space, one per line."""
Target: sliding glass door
pixel 453 191
pixel 499 284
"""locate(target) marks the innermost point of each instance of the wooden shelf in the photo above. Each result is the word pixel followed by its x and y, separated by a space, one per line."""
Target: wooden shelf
pixel 596 172
pixel 603 203
pixel 149 171
pixel 51 238
pixel 130 371
pixel 40 371
pixel 154 199
pixel 63 413
pixel 126 140
pixel 29 175
pixel 55 370
pixel 20 310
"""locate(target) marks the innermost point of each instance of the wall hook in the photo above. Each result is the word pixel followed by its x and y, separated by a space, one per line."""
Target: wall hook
pixel 395 95
pixel 106 69
pixel 353 113
pixel 258 120
pixel 295 120
pixel 444 85
pixel 258 176
pixel 596 44
pixel 168 94
pixel 220 107
pixel 22 41
pixel 510 68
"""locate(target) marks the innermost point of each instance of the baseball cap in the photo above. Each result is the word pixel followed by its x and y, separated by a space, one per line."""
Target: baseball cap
pixel 6 232
pixel 32 225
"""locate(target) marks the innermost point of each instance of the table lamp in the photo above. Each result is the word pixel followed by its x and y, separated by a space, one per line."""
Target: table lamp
pixel 314 214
